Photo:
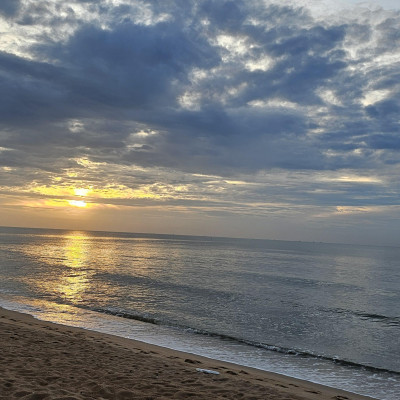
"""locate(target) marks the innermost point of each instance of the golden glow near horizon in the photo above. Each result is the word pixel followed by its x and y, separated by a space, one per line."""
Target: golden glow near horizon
pixel 64 192
pixel 60 195
pixel 108 191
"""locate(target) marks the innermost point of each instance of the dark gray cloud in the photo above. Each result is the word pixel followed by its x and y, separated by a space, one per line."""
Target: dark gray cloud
pixel 9 8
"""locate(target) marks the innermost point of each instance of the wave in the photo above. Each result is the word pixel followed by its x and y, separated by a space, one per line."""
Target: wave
pixel 268 347
pixel 265 346
pixel 124 279
pixel 392 321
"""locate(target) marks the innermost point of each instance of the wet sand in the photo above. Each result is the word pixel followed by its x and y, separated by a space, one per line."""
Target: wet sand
pixel 43 360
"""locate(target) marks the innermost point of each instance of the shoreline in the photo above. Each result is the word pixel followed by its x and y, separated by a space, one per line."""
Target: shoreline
pixel 45 360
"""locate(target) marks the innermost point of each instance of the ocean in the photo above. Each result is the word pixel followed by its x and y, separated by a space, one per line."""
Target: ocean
pixel 326 313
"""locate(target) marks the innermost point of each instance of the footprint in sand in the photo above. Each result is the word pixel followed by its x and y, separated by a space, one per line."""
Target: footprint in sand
pixel 231 372
pixel 190 361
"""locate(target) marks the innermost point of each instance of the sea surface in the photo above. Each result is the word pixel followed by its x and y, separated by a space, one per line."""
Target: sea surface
pixel 326 313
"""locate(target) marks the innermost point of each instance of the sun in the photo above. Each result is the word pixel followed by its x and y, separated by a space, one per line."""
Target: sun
pixel 81 191
pixel 77 203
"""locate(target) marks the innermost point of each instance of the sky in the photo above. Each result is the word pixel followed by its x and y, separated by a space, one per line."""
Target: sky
pixel 257 118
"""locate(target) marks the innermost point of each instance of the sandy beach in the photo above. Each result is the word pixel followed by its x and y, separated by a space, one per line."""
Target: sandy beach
pixel 42 360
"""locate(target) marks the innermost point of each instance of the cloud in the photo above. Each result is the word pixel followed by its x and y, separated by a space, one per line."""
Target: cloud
pixel 131 66
pixel 136 73
pixel 9 8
